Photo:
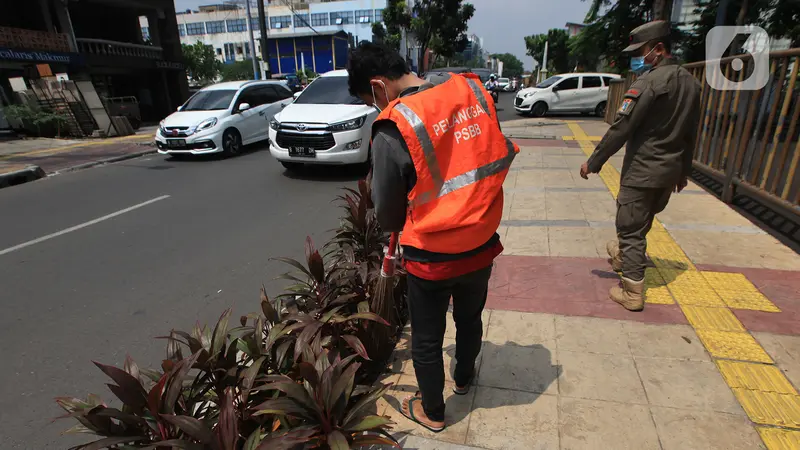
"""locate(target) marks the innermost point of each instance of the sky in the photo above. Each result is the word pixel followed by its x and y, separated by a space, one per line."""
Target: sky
pixel 502 24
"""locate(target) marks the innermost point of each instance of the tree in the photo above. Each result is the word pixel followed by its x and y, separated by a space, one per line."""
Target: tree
pixel 557 49
pixel 784 21
pixel 238 70
pixel 512 66
pixel 396 18
pixel 201 63
pixel 584 51
pixel 440 25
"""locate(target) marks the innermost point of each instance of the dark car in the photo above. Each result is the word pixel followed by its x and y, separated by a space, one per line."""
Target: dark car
pixel 291 80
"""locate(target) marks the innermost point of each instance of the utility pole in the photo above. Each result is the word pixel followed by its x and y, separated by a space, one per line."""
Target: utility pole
pixel 253 56
pixel 264 27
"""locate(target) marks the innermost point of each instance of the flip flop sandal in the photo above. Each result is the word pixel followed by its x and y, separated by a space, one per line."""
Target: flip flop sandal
pixel 410 413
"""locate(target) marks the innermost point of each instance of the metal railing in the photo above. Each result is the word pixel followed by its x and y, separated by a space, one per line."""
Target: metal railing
pixel 23 39
pixel 113 48
pixel 746 139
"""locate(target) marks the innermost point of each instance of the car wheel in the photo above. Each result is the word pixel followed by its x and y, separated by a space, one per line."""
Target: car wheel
pixel 600 110
pixel 232 142
pixel 539 109
pixel 291 166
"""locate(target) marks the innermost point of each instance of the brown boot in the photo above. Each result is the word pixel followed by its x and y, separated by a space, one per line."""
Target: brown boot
pixel 630 295
pixel 612 247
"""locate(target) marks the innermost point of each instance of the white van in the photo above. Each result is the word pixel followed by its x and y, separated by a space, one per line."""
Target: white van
pixel 569 92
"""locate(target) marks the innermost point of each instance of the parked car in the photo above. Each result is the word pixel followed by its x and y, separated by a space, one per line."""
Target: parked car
pixel 324 125
pixel 503 84
pixel 483 73
pixel 222 117
pixel 570 92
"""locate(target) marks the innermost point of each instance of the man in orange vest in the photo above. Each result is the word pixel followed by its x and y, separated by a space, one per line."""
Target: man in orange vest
pixel 439 161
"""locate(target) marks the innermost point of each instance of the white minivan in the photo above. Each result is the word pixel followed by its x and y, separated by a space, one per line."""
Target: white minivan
pixel 568 93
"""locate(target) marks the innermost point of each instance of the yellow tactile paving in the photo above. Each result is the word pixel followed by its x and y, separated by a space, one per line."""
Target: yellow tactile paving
pixel 766 395
pixel 756 377
pixel 715 319
pixel 733 345
pixel 770 408
pixel 780 439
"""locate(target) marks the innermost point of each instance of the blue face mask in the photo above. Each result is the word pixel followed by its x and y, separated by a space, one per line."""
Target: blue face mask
pixel 638 65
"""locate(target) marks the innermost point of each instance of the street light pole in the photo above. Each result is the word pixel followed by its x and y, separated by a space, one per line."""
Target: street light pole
pixel 264 27
pixel 253 56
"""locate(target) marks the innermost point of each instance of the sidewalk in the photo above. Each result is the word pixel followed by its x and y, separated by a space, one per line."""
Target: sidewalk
pixel 713 362
pixel 55 155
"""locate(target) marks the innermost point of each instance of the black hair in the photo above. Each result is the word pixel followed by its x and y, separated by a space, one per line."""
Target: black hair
pixel 369 60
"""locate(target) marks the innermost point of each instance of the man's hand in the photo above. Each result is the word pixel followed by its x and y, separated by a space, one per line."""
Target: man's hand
pixel 585 171
pixel 684 181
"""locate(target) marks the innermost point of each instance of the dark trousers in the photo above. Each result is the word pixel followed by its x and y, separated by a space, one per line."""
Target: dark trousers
pixel 636 210
pixel 428 302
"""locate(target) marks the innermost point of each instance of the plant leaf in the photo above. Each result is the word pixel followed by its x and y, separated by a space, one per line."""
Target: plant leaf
pixel 308 372
pixel 355 343
pixel 266 307
pixel 370 439
pixel 248 377
pixel 283 407
pixel 107 442
pixel 305 336
pixel 228 426
pixel 366 316
pixel 296 265
pixel 131 367
pixel 288 440
pixel 370 423
pixel 176 443
pixel 220 333
pixel 253 440
pixel 344 385
pixel 364 401
pixel 154 396
pixel 194 428
pixel 135 391
pixel 337 441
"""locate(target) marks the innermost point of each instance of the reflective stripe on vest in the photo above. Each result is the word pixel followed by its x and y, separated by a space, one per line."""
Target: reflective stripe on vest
pixel 443 187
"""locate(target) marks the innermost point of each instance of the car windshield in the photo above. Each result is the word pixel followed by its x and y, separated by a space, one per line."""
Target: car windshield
pixel 548 82
pixel 210 100
pixel 328 91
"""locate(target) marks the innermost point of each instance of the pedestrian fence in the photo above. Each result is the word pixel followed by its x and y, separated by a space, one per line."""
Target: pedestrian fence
pixel 747 139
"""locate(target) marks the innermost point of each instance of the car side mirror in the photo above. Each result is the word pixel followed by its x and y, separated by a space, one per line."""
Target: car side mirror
pixel 244 107
pixel 180 108
pixel 296 94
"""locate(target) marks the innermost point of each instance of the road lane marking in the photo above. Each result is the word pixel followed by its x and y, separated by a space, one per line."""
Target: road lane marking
pixel 82 225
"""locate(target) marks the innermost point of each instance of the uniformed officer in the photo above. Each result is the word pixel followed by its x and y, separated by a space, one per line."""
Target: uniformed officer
pixel 658 119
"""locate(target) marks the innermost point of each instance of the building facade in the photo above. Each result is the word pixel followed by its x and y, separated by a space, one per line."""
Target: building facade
pixel 44 41
pixel 314 34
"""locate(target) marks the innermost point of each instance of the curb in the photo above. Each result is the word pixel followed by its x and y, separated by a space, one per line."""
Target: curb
pixel 101 162
pixel 30 173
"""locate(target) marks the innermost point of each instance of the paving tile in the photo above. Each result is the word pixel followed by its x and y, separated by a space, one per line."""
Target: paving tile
pixel 601 425
pixel 450 331
pixel 705 318
pixel 572 241
pixel 785 350
pixel 779 439
pixel 523 329
pixel 411 442
pixel 513 420
pixel 737 249
pixel 564 206
pixel 601 236
pixel 531 368
pixel 456 413
pixel 733 345
pixel 527 241
pixel 703 430
pixel 448 357
pixel 664 341
pixel 600 377
pixel 754 376
pixel 588 334
pixel 686 384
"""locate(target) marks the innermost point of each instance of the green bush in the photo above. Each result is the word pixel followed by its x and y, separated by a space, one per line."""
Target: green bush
pixel 37 118
pixel 294 375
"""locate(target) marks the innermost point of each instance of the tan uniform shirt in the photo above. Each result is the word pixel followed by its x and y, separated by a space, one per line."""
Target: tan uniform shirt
pixel 658 119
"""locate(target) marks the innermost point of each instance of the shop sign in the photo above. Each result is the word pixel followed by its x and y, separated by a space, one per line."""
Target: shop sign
pixel 38 56
pixel 169 65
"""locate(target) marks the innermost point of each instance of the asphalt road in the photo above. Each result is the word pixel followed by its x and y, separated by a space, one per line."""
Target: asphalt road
pixel 201 244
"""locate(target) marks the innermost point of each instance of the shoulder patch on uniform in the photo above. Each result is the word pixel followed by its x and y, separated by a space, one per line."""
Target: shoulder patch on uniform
pixel 633 93
pixel 626 106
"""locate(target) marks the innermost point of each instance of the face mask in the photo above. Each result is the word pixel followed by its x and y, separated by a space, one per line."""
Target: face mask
pixel 374 98
pixel 638 65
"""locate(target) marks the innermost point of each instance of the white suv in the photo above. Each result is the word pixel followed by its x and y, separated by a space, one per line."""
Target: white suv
pixel 223 117
pixel 570 92
pixel 324 125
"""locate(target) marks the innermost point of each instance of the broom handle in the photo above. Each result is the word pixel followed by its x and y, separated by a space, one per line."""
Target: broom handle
pixel 388 259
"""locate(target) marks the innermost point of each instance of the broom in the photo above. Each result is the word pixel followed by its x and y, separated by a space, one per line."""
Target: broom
pixel 383 301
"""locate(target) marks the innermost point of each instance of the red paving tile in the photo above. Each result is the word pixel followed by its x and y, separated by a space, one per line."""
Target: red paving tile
pixel 782 287
pixel 566 286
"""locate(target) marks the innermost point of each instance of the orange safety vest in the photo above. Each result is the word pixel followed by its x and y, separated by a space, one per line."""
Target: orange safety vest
pixel 461 158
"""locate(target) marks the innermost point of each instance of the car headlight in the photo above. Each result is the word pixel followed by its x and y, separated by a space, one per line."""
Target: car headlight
pixel 274 124
pixel 206 124
pixel 161 128
pixel 529 94
pixel 352 124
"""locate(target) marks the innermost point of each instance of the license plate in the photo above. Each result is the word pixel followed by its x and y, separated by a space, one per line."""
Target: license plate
pixel 176 143
pixel 302 151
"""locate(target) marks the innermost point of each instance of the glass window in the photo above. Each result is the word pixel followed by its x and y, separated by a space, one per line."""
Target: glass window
pixel 236 25
pixel 145 33
pixel 254 23
pixel 548 82
pixel 195 29
pixel 181 30
pixel 328 91
pixel 364 16
pixel 280 21
pixel 342 18
pixel 210 100
pixel 319 19
pixel 568 84
pixel 283 92
pixel 378 15
pixel 215 27
pixel 607 80
pixel 301 20
pixel 591 82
